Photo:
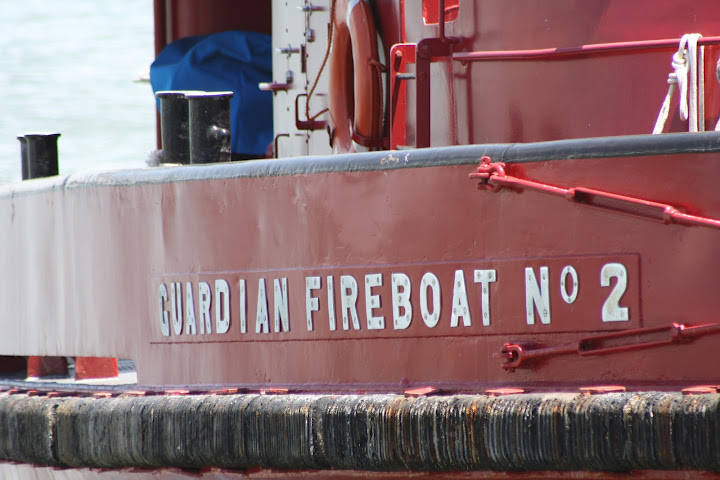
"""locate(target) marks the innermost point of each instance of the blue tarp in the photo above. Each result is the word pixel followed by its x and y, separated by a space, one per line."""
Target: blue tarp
pixel 228 61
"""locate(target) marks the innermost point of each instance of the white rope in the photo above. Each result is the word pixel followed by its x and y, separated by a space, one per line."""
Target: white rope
pixel 665 109
pixel 701 88
pixel 688 75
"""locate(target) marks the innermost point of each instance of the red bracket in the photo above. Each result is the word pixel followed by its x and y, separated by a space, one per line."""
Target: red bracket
pixel 401 55
pixel 309 124
pixel 428 50
pixel 380 143
pixel 422 54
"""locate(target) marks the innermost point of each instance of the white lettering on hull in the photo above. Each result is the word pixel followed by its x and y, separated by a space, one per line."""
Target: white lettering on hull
pixel 243 305
pixel 537 297
pixel 282 322
pixel 612 311
pixel 262 324
pixel 460 307
pixel 190 322
pixel 331 303
pixel 204 300
pixel 348 302
pixel 569 298
pixel 485 278
pixel 401 301
pixel 222 306
pixel 187 315
pixel 312 304
pixel 431 318
pixel 176 306
pixel 164 320
pixel 372 301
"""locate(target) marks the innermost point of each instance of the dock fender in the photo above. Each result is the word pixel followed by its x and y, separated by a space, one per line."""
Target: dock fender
pixel 355 102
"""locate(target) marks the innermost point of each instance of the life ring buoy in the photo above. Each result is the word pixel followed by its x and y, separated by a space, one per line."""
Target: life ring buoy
pixel 355 101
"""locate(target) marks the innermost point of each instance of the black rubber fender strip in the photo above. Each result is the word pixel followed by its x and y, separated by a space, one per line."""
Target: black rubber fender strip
pixel 612 432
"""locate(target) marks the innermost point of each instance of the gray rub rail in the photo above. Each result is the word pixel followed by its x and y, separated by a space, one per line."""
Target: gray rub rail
pixel 582 148
pixel 608 432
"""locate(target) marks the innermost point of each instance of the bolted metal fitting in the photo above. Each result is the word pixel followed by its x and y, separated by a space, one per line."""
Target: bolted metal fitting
pixel 309 8
pixel 289 50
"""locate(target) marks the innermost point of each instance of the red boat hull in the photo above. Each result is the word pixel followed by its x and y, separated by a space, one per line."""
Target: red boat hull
pixel 135 235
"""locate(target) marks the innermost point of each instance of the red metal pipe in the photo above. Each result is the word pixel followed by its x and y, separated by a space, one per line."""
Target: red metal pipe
pixel 160 42
pixel 545 53
pixel 160 25
pixel 402 22
pixel 441 19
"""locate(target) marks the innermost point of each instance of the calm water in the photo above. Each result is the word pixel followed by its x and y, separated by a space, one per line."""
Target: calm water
pixel 68 66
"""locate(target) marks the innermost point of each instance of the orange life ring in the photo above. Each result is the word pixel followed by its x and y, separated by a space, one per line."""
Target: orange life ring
pixel 356 87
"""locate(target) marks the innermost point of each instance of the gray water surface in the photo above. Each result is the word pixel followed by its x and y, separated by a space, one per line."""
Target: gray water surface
pixel 68 66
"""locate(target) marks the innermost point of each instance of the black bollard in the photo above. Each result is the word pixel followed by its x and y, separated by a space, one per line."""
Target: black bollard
pixel 210 136
pixel 39 153
pixel 174 126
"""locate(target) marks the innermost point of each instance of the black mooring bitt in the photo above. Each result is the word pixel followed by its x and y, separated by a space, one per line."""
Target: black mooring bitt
pixel 39 155
pixel 195 126
pixel 174 126
pixel 210 138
